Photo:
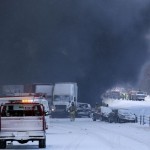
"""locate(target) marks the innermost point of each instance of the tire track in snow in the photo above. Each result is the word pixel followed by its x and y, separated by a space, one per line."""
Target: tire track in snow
pixel 86 134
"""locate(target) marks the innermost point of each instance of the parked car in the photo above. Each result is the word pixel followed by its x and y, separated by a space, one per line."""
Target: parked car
pixel 137 95
pixel 141 95
pixel 83 110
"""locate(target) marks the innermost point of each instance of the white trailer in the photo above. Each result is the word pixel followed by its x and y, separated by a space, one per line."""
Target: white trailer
pixel 63 95
pixel 9 90
pixel 45 89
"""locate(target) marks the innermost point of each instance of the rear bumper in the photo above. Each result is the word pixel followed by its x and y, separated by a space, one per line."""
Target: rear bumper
pixel 22 136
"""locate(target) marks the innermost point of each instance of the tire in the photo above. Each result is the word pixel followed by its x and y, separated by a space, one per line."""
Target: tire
pixel 109 120
pixel 115 120
pixel 2 144
pixel 101 118
pixel 119 120
pixel 94 119
pixel 42 143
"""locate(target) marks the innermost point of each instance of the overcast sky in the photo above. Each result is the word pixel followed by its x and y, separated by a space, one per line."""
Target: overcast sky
pixel 96 43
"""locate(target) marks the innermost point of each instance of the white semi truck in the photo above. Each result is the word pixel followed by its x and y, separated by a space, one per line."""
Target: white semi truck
pixel 63 95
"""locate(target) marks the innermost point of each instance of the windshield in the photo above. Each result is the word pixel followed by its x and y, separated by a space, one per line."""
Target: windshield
pixel 83 106
pixel 62 98
pixel 124 111
pixel 141 93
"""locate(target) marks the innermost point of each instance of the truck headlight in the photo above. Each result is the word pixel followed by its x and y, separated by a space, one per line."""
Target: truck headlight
pixel 53 109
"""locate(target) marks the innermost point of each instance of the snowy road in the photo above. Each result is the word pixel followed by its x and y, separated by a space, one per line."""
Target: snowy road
pixel 84 134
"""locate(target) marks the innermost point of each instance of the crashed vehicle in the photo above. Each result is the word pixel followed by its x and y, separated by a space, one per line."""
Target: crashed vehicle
pixel 83 110
pixel 123 115
pixel 103 114
pixel 113 115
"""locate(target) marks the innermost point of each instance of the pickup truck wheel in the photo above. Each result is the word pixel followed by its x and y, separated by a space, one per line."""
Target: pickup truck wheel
pixel 42 143
pixel 2 144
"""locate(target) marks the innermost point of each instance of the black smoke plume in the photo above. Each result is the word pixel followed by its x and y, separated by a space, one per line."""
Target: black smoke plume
pixel 96 43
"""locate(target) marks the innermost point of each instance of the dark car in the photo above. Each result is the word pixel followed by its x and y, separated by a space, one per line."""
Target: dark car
pixel 83 110
pixel 113 115
pixel 103 114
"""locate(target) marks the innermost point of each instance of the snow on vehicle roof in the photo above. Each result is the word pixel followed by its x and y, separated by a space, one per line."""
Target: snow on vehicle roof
pixel 106 109
pixel 136 107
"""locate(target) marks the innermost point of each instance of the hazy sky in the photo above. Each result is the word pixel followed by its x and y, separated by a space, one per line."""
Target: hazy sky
pixel 96 43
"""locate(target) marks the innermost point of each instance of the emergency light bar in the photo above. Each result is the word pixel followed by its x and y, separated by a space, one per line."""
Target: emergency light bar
pixel 19 99
pixel 27 101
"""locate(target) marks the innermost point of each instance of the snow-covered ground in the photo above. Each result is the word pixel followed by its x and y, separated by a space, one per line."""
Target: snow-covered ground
pixel 84 134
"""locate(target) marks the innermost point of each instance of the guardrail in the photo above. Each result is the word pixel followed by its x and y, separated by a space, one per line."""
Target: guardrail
pixel 143 120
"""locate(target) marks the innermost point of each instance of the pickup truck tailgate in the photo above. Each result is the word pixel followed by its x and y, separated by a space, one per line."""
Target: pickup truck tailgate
pixel 34 123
